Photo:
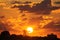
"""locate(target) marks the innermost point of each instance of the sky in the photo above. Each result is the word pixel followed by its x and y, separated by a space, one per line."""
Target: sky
pixel 32 1
pixel 16 20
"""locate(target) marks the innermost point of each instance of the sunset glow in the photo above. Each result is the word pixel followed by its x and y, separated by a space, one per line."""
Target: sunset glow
pixel 29 29
pixel 30 17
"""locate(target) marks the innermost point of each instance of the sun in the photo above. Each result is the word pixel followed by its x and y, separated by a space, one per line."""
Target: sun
pixel 29 29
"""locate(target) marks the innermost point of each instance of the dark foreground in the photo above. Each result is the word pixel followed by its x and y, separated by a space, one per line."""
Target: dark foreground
pixel 5 35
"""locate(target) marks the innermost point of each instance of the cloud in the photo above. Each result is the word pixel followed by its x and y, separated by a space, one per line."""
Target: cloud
pixel 8 25
pixel 53 26
pixel 17 22
pixel 44 7
pixel 27 2
pixel 16 2
pixel 57 2
pixel 39 8
pixel 9 18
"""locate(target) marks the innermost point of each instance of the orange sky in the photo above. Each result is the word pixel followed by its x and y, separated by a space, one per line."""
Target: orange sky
pixel 17 22
pixel 19 25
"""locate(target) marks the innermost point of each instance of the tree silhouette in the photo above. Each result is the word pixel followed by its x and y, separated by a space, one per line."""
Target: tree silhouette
pixel 52 37
pixel 5 35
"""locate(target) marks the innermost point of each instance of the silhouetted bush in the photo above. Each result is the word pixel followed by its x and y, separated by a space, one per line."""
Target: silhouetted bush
pixel 52 37
pixel 5 35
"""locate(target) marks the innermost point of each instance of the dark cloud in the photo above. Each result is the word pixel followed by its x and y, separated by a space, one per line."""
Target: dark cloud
pixel 39 8
pixel 24 8
pixel 53 26
pixel 57 2
pixel 2 17
pixel 27 2
pixel 54 8
pixel 44 7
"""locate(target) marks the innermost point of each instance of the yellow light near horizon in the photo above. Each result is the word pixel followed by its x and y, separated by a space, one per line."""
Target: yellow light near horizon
pixel 29 29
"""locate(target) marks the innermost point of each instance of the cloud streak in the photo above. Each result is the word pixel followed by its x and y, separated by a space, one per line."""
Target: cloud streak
pixel 45 7
pixel 53 26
